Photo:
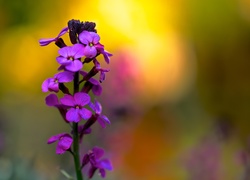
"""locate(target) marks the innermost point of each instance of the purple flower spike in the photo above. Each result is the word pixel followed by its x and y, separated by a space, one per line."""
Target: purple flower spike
pixel 93 157
pixel 101 119
pixel 69 57
pixel 76 104
pixel 64 142
pixel 52 84
pixel 45 42
pixel 90 40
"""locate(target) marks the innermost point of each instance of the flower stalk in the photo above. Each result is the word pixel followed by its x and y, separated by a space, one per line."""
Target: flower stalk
pixel 76 106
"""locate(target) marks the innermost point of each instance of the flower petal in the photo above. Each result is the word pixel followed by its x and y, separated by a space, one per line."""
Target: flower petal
pixel 98 152
pixel 81 98
pixel 95 37
pixel 74 65
pixel 65 142
pixel 65 51
pixel 65 76
pixel 62 60
pixel 77 51
pixel 101 122
pixel 91 172
pixel 51 100
pixel 105 164
pixel 85 160
pixel 53 85
pixel 53 139
pixel 105 119
pixel 45 85
pixel 73 115
pixel 46 41
pixel 85 113
pixel 90 52
pixel 98 107
pixel 102 173
pixel 106 56
pixel 63 31
pixel 68 100
pixel 85 37
pixel 97 90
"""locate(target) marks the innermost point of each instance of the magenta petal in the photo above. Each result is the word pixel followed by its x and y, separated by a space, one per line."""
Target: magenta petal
pixel 101 122
pixel 65 142
pixel 65 76
pixel 45 85
pixel 63 31
pixel 65 51
pixel 97 90
pixel 106 56
pixel 51 100
pixel 53 139
pixel 98 152
pixel 91 172
pixel 105 119
pixel 45 42
pixel 90 52
pixel 73 115
pixel 98 107
pixel 62 60
pixel 68 100
pixel 82 98
pixel 95 37
pixel 85 37
pixel 59 150
pixel 77 51
pixel 85 113
pixel 105 164
pixel 53 86
pixel 74 66
pixel 102 172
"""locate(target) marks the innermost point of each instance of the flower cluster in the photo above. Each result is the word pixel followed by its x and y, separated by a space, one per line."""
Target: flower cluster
pixel 76 106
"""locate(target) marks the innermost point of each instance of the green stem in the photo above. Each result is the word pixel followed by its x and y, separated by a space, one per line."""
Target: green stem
pixel 76 136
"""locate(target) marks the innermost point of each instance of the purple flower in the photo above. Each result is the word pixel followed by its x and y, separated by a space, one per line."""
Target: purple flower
pixel 106 54
pixel 52 100
pixel 97 88
pixel 93 157
pixel 102 120
pixel 64 142
pixel 45 42
pixel 76 104
pixel 90 40
pixel 52 84
pixel 101 70
pixel 70 57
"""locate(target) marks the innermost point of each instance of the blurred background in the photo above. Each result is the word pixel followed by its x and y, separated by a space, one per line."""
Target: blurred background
pixel 177 95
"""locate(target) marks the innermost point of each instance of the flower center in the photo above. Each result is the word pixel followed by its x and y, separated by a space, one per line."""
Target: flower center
pixel 78 107
pixel 61 138
pixel 91 44
pixel 71 58
pixel 56 80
